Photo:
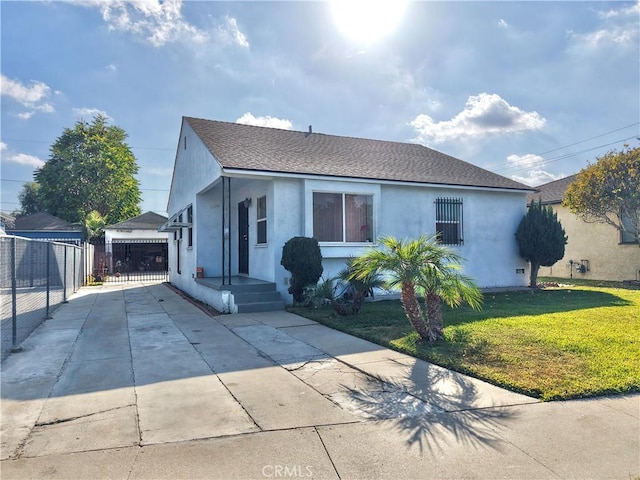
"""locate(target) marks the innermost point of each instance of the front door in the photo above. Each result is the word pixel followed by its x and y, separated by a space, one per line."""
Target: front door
pixel 243 239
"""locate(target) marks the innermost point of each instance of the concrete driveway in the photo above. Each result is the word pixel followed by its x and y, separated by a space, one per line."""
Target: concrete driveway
pixel 136 382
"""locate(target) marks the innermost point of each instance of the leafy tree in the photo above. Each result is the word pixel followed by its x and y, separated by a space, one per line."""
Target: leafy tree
pixel 609 191
pixel 419 266
pixel 302 257
pixel 541 239
pixel 29 199
pixel 91 168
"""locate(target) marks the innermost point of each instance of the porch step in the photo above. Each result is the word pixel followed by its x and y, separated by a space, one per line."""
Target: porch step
pixel 262 298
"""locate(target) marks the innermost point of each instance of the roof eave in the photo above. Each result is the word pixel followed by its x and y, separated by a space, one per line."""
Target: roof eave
pixel 229 171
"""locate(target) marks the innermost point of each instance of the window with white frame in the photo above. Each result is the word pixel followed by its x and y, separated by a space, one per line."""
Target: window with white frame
pixel 190 227
pixel 261 220
pixel 449 221
pixel 342 217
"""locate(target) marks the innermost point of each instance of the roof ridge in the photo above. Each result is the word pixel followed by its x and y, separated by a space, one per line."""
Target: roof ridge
pixel 347 137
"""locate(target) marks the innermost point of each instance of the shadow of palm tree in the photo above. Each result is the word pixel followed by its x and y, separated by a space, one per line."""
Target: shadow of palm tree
pixel 428 405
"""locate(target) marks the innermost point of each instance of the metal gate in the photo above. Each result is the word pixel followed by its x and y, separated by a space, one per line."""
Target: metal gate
pixel 131 261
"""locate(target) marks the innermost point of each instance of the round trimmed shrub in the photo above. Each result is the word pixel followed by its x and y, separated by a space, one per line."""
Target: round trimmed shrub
pixel 301 257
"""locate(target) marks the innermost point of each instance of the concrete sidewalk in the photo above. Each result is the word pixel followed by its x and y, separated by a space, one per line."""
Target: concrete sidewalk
pixel 136 382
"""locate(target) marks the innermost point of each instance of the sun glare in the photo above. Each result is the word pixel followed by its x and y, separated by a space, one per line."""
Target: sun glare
pixel 367 20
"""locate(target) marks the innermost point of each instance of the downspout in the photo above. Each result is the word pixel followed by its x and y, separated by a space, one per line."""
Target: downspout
pixel 229 258
pixel 223 239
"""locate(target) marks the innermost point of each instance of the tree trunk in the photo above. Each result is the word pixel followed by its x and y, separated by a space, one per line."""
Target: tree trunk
pixel 533 278
pixel 412 310
pixel 434 315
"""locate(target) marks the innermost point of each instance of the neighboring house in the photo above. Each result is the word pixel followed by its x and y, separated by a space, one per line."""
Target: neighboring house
pixel 239 192
pixel 42 226
pixel 6 222
pixel 594 250
pixel 135 245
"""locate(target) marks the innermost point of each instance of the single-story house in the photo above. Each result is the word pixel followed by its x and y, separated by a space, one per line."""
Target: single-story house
pixel 6 222
pixel 42 226
pixel 239 192
pixel 595 251
pixel 135 245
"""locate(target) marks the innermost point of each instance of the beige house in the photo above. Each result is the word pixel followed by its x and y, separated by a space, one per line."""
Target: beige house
pixel 594 251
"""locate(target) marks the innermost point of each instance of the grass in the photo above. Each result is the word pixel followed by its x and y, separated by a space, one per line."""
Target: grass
pixel 556 343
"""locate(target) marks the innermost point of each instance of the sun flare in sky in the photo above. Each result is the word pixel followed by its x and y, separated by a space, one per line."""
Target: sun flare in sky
pixel 366 21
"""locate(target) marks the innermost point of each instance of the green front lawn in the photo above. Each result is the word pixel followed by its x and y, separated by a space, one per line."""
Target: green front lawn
pixel 556 343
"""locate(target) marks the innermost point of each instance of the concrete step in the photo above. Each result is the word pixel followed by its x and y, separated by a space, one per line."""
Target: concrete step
pixel 258 298
pixel 260 306
pixel 253 297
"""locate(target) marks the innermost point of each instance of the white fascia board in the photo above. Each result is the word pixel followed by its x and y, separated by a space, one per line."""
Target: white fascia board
pixel 255 174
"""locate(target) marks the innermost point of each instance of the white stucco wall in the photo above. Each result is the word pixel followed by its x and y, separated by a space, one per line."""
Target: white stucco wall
pixel 490 220
pixel 195 169
pixel 112 234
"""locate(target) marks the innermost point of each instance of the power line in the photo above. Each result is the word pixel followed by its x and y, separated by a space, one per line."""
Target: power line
pixel 502 166
pixel 515 168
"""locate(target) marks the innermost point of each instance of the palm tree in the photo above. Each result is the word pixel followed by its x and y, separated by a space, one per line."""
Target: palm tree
pixel 418 266
pixel 358 287
pixel 443 282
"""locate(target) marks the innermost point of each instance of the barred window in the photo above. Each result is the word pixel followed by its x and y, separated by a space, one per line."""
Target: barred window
pixel 449 221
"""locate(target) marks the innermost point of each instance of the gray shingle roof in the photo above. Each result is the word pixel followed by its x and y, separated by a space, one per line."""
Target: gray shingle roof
pixel 146 221
pixel 44 221
pixel 552 192
pixel 250 148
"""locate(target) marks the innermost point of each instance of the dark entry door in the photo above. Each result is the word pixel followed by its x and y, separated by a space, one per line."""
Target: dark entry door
pixel 243 239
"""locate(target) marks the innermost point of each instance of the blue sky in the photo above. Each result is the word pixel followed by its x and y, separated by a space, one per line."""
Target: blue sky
pixel 530 90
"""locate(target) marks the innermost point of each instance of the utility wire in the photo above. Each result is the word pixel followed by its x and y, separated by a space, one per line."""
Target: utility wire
pixel 545 161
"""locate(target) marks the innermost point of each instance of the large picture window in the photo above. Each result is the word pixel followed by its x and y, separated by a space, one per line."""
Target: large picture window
pixel 342 217
pixel 449 221
pixel 262 220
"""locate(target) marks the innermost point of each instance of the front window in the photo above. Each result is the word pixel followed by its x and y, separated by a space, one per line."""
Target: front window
pixel 449 221
pixel 261 214
pixel 342 217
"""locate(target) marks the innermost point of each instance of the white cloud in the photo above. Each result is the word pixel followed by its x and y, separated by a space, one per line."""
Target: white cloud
pixel 534 178
pixel 249 119
pixel 3 146
pixel 32 96
pixel 230 34
pixel 158 22
pixel 111 67
pixel 86 113
pixel 24 159
pixel 525 161
pixel 502 23
pixel 620 27
pixel 484 114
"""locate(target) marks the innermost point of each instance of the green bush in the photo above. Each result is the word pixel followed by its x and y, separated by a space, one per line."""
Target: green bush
pixel 301 256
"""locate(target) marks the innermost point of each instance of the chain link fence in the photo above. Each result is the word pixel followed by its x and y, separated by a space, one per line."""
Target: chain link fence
pixel 35 277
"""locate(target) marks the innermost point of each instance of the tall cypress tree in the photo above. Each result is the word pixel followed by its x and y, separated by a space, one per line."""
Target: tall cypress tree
pixel 541 239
